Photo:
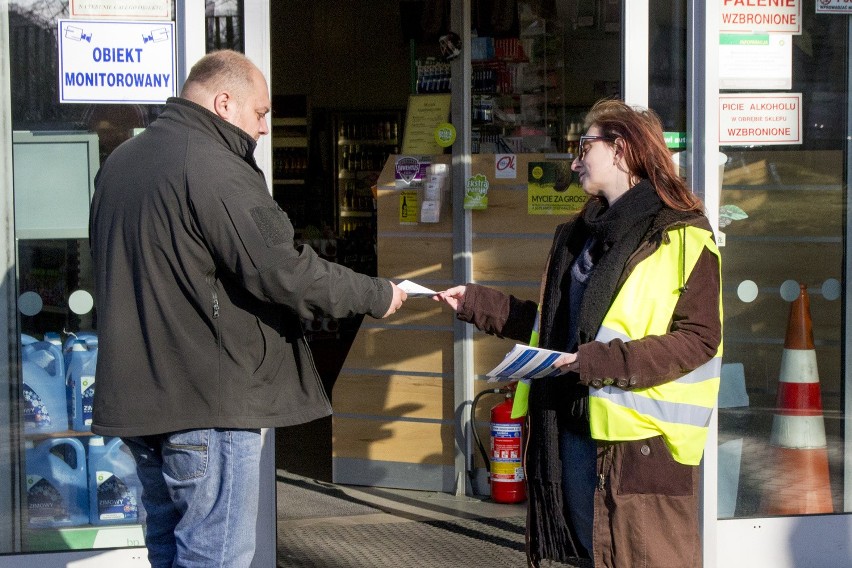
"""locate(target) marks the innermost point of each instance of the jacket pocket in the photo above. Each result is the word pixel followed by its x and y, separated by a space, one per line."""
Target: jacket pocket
pixel 263 346
pixel 647 467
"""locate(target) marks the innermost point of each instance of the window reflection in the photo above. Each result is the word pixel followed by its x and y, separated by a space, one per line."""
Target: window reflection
pixel 783 216
pixel 784 325
pixel 33 45
pixel 667 64
pixel 224 25
pixel 57 275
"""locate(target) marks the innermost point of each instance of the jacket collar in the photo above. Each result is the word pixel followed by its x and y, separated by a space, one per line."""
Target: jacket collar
pixel 668 219
pixel 209 124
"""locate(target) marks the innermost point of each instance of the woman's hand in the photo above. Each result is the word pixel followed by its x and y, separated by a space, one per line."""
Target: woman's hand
pixel 567 363
pixel 453 297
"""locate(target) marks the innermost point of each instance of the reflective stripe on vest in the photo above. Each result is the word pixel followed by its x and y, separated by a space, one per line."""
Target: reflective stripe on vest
pixel 679 410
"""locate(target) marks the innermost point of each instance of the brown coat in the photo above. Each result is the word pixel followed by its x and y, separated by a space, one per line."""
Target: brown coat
pixel 647 504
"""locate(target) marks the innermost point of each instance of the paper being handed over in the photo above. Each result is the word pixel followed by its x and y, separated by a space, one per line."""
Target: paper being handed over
pixel 415 290
pixel 525 362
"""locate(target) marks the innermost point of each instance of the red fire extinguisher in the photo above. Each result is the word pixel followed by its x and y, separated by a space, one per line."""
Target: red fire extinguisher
pixel 506 467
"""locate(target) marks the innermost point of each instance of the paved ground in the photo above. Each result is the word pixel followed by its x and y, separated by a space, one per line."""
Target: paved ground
pixel 322 525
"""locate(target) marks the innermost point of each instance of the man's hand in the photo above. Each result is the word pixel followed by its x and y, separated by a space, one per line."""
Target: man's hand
pixel 399 296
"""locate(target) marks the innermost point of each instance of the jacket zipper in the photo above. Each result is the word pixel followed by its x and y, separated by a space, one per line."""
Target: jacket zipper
pixel 307 346
pixel 605 466
pixel 214 295
pixel 211 281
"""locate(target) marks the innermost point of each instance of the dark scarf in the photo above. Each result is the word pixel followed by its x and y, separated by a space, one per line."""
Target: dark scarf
pixel 618 232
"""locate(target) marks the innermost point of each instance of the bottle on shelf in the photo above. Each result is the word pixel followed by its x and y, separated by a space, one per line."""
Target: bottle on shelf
pixel 572 138
pixel 57 495
pixel 80 379
pixel 114 488
pixel 44 393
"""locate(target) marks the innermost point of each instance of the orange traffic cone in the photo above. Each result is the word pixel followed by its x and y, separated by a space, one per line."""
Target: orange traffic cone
pixel 801 482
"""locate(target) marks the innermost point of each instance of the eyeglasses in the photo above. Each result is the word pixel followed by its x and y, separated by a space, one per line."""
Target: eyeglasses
pixel 585 140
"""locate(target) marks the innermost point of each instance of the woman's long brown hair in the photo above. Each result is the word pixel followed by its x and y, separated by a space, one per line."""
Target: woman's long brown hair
pixel 645 150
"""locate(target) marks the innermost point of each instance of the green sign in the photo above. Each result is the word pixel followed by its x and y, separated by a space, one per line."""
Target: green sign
pixel 675 140
pixel 445 135
pixel 743 39
pixel 476 192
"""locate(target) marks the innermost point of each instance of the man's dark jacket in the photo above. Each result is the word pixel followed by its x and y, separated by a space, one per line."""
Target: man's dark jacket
pixel 200 289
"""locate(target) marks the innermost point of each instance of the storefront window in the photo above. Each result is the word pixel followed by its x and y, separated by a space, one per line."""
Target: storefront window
pixel 783 213
pixel 783 197
pixel 77 491
pixel 537 67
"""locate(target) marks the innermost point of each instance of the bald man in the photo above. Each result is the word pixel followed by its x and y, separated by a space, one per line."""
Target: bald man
pixel 200 293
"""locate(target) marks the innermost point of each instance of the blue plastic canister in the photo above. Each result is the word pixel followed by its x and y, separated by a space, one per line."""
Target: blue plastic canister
pixel 114 488
pixel 27 339
pixel 57 493
pixel 53 337
pixel 80 380
pixel 44 389
pixel 89 337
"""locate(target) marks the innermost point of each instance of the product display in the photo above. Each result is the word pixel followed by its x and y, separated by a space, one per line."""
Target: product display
pixel 81 359
pixel 363 142
pixel 517 103
pixel 290 157
pixel 74 480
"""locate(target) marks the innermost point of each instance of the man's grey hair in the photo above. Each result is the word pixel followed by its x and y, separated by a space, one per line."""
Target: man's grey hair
pixel 223 70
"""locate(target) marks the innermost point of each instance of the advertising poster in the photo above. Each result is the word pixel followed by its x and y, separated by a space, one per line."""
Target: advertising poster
pixel 426 113
pixel 552 189
pixel 505 166
pixel 476 192
pixel 408 207
pixel 833 7
pixel 410 172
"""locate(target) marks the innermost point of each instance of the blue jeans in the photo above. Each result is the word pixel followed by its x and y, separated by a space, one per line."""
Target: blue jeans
pixel 579 462
pixel 200 490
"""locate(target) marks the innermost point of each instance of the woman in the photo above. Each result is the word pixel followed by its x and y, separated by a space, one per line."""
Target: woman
pixel 631 295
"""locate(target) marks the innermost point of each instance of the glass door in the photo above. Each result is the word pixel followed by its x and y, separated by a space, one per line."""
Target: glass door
pixel 74 491
pixel 766 107
pixel 783 430
pixel 58 507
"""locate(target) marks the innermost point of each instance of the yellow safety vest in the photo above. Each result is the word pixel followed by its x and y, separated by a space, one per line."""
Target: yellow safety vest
pixel 679 410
